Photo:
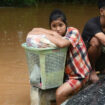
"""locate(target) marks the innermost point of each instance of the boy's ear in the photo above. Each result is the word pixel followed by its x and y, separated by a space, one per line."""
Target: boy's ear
pixel 102 11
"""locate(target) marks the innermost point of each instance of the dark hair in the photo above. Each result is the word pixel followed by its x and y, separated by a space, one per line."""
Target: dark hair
pixel 101 4
pixel 57 14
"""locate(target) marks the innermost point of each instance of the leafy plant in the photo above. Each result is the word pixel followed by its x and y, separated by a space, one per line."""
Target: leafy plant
pixel 35 2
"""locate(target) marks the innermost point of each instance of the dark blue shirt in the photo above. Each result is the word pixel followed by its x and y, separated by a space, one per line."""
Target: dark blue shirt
pixel 91 28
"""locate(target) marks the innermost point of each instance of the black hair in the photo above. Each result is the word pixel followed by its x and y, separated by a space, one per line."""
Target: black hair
pixel 57 14
pixel 101 4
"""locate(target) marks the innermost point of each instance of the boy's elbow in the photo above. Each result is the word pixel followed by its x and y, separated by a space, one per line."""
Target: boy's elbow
pixel 61 45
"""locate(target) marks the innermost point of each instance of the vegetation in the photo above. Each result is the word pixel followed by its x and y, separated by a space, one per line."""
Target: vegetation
pixel 35 2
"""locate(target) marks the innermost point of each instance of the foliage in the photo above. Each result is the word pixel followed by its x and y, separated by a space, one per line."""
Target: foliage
pixel 35 2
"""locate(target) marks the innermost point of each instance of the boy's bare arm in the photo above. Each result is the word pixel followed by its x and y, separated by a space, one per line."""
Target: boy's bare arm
pixel 101 37
pixel 42 31
pixel 58 40
pixel 53 36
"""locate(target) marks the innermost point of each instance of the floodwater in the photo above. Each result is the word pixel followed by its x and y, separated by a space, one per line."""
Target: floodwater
pixel 15 23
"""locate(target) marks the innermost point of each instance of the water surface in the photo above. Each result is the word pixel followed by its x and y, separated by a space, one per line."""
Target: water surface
pixel 15 23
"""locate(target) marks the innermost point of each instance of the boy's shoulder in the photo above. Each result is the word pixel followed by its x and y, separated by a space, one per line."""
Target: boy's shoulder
pixel 72 29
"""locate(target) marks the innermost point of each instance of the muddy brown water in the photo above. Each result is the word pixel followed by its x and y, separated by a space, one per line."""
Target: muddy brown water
pixel 15 23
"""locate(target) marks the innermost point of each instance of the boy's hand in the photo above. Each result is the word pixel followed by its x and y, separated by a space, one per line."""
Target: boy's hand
pixel 93 77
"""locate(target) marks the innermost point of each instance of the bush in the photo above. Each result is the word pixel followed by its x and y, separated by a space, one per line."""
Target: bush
pixel 35 2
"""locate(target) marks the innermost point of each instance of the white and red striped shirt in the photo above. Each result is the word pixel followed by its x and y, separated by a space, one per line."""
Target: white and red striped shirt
pixel 78 65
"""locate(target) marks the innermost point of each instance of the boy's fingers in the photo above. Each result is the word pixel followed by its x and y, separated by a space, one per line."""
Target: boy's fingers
pixel 97 72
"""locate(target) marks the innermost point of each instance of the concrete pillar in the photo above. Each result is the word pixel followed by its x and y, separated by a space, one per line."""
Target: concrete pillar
pixel 42 97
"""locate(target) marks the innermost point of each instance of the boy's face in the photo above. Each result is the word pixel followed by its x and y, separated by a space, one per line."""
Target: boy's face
pixel 58 26
pixel 102 14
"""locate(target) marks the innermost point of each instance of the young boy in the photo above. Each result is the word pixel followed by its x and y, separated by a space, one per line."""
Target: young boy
pixel 78 66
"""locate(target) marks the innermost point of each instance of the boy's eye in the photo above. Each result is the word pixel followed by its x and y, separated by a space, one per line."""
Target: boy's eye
pixel 54 25
pixel 60 25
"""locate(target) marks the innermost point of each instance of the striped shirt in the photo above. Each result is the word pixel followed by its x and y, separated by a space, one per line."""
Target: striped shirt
pixel 77 65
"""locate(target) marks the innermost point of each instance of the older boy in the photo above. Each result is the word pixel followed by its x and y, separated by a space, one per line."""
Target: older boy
pixel 94 37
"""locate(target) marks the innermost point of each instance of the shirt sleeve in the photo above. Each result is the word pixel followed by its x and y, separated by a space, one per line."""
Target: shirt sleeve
pixel 73 36
pixel 91 28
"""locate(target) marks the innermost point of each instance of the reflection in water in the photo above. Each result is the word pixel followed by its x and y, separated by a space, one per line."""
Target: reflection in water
pixel 20 36
pixel 15 23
